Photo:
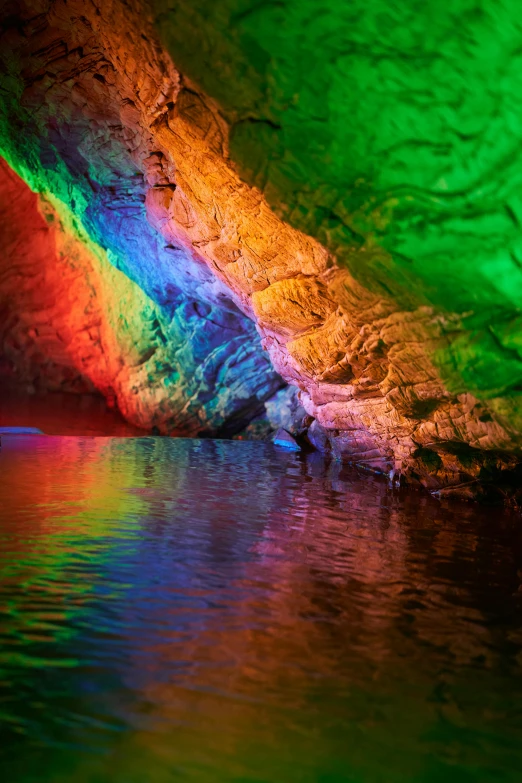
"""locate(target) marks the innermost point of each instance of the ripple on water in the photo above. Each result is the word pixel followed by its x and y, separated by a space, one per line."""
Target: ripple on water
pixel 225 611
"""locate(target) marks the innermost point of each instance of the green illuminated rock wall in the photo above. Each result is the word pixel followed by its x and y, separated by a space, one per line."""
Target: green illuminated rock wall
pixel 393 124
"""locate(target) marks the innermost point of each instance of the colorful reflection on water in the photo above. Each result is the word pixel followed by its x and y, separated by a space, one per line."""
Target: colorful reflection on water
pixel 224 611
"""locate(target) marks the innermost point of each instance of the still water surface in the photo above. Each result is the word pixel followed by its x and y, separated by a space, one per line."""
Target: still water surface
pixel 183 610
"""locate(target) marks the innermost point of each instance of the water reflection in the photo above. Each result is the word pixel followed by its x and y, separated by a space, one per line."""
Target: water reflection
pixel 223 611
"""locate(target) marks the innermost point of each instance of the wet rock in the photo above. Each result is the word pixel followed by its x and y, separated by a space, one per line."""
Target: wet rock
pixel 285 440
pixel 284 410
pixel 20 431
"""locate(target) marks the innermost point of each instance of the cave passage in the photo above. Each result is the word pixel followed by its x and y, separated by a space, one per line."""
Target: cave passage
pixel 260 391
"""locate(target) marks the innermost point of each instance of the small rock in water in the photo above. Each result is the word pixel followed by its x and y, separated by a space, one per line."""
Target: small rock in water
pixel 20 431
pixel 287 441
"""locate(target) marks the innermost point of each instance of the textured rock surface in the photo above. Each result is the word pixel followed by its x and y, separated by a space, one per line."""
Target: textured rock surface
pixel 398 320
pixel 284 410
pixel 70 321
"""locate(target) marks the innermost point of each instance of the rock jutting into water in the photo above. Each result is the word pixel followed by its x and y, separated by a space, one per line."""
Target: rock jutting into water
pixel 204 202
pixel 286 440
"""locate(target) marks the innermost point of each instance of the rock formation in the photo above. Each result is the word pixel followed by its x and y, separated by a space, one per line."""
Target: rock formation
pixel 231 196
pixel 70 321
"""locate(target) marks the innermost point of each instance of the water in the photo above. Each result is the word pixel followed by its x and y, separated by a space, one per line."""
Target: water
pixel 177 610
pixel 56 413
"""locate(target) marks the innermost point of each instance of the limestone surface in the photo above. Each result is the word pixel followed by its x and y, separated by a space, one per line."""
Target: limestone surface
pixel 323 180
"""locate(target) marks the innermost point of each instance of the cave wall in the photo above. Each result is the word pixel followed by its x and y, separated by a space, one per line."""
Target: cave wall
pixel 193 361
pixel 333 188
pixel 71 322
